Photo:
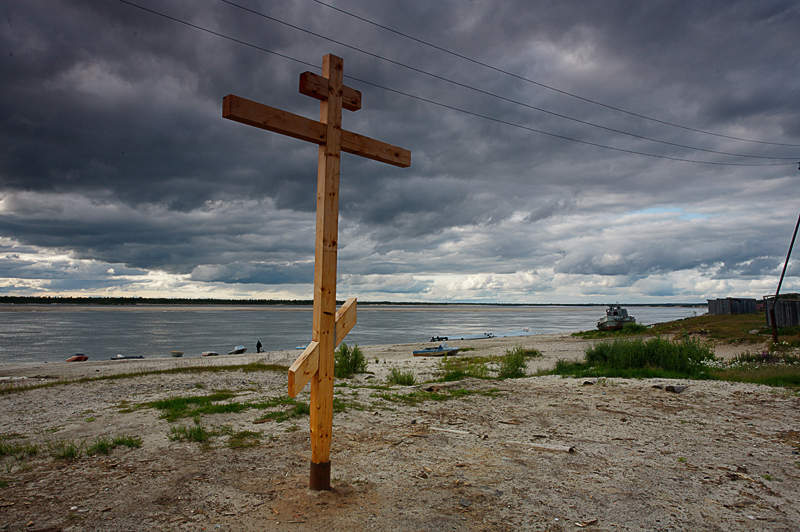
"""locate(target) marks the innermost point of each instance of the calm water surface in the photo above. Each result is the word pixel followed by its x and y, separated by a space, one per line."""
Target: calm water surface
pixel 37 333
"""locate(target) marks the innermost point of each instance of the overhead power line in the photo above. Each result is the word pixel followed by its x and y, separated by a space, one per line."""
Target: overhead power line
pixel 495 95
pixel 544 85
pixel 437 103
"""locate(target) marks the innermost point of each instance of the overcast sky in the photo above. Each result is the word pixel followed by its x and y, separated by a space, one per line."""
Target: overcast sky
pixel 119 177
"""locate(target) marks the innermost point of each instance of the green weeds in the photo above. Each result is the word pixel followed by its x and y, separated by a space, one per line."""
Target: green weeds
pixel 402 378
pixel 65 450
pixel 686 358
pixel 515 361
pixel 196 433
pixel 105 445
pixel 348 361
pixel 244 439
pixel 18 450
pixel 511 365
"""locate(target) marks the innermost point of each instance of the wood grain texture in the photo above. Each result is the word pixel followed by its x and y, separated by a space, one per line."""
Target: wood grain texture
pixel 325 254
pixel 301 371
pixel 345 319
pixel 317 87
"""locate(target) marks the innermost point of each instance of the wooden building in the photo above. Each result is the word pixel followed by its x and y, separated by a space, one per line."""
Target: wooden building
pixel 787 310
pixel 731 305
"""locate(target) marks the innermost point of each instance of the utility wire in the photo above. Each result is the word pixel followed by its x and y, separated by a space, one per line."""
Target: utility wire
pixel 437 103
pixel 544 85
pixel 495 95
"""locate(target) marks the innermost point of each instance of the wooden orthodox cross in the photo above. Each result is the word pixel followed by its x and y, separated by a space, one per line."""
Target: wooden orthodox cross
pixel 329 326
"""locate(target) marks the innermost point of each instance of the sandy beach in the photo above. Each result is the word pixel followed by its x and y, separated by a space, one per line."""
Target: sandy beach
pixel 541 453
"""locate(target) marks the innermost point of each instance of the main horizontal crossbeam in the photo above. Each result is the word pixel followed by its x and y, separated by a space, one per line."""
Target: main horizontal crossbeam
pixel 263 116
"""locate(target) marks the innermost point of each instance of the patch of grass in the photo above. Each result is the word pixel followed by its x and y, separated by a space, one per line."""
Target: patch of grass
pixel 348 361
pixel 65 450
pixel 18 450
pixel 765 357
pixel 509 364
pixel 89 419
pixel 298 409
pixel 3 484
pixel 686 358
pixel 133 442
pixel 402 378
pixel 629 329
pixel 244 439
pixel 196 433
pixel 787 376
pixel 458 368
pixel 175 408
pixel 514 363
pixel 102 445
pixel 734 328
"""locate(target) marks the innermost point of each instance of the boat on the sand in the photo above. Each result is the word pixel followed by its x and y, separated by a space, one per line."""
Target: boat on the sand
pixel 176 353
pixel 120 356
pixel 238 350
pixel 209 354
pixel 616 318
pixel 78 357
pixel 440 351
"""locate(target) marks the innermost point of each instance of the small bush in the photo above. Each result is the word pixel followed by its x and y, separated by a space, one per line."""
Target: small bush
pixel 18 450
pixel 197 433
pixel 102 446
pixel 65 450
pixel 685 356
pixel 349 361
pixel 403 378
pixel 513 365
pixel 134 442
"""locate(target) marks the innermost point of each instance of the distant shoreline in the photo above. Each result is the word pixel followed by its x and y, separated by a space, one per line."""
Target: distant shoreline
pixel 147 301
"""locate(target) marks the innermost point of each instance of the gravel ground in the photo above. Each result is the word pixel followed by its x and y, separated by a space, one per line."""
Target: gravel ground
pixel 541 453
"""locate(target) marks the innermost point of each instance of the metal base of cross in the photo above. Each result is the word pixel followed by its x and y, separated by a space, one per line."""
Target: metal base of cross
pixel 320 477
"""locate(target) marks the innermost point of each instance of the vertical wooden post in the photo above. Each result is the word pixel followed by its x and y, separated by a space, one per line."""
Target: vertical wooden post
pixel 325 253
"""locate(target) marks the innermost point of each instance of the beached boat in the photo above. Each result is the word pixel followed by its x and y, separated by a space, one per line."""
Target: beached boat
pixel 440 351
pixel 209 354
pixel 120 356
pixel 176 353
pixel 238 350
pixel 616 318
pixel 78 357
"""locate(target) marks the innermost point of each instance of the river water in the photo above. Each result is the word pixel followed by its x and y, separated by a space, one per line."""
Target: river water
pixel 38 333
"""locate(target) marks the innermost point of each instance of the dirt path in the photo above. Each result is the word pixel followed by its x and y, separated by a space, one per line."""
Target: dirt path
pixel 473 454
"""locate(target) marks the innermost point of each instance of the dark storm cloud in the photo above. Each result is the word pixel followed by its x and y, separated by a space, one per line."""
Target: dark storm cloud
pixel 113 148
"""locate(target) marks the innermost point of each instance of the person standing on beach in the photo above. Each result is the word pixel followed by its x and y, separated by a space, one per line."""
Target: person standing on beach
pixel 258 346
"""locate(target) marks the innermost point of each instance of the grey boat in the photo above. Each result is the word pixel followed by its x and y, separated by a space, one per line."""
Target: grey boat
pixel 616 318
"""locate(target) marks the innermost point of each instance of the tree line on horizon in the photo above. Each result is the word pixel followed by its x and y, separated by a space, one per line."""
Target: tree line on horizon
pixel 131 301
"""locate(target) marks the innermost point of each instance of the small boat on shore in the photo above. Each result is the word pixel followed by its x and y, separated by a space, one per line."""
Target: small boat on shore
pixel 238 350
pixel 78 357
pixel 616 318
pixel 209 354
pixel 120 356
pixel 176 353
pixel 440 351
